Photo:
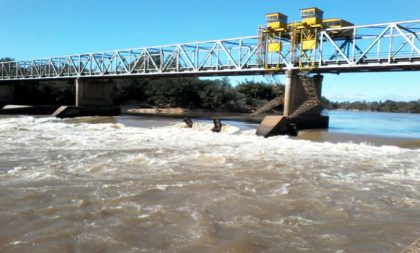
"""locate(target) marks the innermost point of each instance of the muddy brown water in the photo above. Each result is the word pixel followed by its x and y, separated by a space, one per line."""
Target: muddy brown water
pixel 155 186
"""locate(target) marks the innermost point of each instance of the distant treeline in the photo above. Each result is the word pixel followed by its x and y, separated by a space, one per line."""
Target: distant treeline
pixel 191 93
pixel 386 106
pixel 195 93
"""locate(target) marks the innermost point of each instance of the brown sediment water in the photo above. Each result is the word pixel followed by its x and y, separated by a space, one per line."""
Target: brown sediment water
pixel 327 136
pixel 121 185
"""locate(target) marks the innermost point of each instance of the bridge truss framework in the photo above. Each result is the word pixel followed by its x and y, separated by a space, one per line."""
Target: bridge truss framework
pixel 379 47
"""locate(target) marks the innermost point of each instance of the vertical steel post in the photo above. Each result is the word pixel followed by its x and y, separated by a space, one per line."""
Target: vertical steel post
pixel 390 43
pixel 353 54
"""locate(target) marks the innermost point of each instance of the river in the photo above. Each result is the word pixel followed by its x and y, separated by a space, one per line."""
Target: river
pixel 132 184
pixel 376 123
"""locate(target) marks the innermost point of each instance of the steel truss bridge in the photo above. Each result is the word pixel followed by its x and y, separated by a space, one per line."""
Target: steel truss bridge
pixel 379 47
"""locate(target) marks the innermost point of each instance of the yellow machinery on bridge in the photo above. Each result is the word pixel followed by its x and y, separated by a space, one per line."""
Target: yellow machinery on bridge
pixel 338 23
pixel 272 38
pixel 303 35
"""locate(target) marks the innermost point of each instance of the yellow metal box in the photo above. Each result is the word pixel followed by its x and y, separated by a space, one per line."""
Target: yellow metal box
pixel 274 47
pixel 276 21
pixel 308 45
pixel 312 16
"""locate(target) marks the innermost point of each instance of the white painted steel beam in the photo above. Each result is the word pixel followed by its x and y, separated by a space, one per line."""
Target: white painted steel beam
pixel 389 47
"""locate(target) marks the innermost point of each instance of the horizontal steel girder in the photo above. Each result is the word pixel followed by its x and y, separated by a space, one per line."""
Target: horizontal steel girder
pixel 380 47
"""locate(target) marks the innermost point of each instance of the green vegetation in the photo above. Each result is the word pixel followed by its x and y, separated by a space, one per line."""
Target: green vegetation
pixel 194 93
pixel 45 93
pixel 386 106
pixel 6 59
pixel 191 93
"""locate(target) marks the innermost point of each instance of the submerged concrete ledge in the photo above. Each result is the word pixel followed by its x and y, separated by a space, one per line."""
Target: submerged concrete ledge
pixel 280 125
pixel 84 111
pixel 60 111
pixel 28 109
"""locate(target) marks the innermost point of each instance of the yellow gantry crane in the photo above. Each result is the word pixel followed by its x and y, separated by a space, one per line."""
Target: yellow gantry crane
pixel 302 35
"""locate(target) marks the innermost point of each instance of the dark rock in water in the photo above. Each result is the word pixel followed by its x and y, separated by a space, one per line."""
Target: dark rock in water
pixel 217 125
pixel 189 122
pixel 292 130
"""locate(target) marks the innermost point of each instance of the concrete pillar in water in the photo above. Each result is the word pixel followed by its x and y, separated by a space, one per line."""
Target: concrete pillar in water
pixel 295 96
pixel 7 93
pixel 290 81
pixel 94 97
pixel 94 92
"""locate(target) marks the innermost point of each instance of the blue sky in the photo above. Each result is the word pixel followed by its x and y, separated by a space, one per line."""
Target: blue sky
pixel 40 28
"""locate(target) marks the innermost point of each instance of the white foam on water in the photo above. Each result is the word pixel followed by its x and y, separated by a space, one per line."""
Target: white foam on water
pixel 199 143
pixel 138 170
pixel 283 190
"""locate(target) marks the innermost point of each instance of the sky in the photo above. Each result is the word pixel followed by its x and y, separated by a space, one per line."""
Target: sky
pixel 32 29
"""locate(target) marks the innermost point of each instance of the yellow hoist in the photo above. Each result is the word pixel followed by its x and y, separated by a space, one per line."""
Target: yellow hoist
pixel 302 35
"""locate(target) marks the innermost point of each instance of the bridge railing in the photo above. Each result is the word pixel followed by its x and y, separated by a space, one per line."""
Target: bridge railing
pixel 387 46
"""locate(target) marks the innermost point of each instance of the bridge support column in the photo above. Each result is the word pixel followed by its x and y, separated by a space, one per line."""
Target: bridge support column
pixel 94 92
pixel 94 97
pixel 295 94
pixel 7 93
pixel 296 97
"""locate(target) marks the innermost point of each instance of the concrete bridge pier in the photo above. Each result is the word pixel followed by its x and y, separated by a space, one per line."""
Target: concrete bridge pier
pixel 91 92
pixel 301 107
pixel 94 97
pixel 7 93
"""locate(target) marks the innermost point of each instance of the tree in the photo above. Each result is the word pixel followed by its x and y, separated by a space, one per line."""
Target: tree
pixel 6 59
pixel 258 90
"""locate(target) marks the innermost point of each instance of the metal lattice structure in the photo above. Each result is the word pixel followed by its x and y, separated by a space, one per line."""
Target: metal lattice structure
pixel 380 47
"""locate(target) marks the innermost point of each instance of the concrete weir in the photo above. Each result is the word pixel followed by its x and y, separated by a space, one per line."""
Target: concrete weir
pixel 301 106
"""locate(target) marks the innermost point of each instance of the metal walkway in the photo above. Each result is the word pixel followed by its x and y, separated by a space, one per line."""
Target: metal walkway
pixel 378 47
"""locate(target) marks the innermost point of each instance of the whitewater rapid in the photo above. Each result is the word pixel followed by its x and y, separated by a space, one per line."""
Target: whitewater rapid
pixel 70 185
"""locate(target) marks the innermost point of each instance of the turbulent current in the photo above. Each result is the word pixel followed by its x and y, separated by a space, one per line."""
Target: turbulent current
pixel 74 186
